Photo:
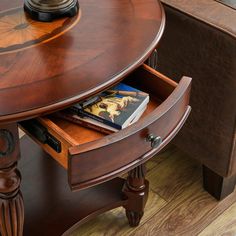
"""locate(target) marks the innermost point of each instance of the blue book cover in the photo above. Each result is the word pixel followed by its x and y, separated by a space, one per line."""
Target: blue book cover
pixel 116 107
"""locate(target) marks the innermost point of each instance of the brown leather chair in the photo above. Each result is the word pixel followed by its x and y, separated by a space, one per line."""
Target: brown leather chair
pixel 200 41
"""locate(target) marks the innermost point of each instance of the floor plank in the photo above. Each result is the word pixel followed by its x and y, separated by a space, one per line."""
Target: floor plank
pixel 225 224
pixel 115 222
pixel 173 175
pixel 188 214
pixel 178 205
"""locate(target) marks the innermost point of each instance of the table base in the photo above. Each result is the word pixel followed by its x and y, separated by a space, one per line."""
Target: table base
pixel 50 206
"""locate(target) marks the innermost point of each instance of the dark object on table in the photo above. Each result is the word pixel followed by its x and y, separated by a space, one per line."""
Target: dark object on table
pixel 51 9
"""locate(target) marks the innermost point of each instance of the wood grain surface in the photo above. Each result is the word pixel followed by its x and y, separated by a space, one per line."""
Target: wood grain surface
pixel 167 112
pixel 177 204
pixel 225 224
pixel 108 42
pixel 165 121
pixel 18 31
pixel 11 200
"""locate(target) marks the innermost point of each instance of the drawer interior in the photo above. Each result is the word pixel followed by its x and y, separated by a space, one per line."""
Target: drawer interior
pixel 82 135
pixel 69 134
pixel 156 85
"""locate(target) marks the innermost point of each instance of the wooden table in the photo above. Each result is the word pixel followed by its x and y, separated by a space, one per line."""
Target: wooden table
pixel 45 67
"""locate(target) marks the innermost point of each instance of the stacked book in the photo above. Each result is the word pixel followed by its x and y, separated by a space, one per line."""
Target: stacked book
pixel 109 111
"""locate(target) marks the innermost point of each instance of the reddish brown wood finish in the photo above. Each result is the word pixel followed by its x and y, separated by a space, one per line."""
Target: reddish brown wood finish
pixel 108 43
pixel 69 210
pixel 127 148
pixel 136 190
pixel 111 155
pixel 51 209
pixel 11 202
pixel 9 136
pixel 110 40
pixel 20 32
pixel 51 71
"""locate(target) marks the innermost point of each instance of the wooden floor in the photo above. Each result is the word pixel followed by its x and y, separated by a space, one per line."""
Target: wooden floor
pixel 177 204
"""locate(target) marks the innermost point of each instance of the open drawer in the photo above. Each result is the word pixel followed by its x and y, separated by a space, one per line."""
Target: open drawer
pixel 91 157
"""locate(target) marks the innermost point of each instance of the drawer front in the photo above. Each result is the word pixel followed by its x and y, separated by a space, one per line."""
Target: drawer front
pixel 98 161
pixel 97 158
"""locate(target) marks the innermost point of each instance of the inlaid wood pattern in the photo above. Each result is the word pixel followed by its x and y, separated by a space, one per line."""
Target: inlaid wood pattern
pixel 18 31
pixel 177 204
pixel 111 39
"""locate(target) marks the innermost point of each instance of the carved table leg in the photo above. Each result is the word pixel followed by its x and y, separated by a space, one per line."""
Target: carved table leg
pixel 136 190
pixel 11 202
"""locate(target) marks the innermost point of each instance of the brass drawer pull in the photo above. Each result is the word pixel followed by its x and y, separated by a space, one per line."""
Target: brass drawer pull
pixel 154 140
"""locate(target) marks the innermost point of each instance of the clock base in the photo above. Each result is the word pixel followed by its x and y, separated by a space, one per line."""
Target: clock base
pixel 51 9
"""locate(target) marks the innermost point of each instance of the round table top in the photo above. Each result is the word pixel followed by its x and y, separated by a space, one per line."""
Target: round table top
pixel 47 66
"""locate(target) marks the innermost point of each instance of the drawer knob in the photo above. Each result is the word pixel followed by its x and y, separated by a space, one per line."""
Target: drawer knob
pixel 154 140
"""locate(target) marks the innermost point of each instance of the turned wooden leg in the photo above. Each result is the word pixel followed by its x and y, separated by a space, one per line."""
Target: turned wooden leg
pixel 11 203
pixel 218 186
pixel 136 190
pixel 153 60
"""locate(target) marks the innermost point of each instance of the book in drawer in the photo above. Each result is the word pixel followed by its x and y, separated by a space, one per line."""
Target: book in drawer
pixel 91 157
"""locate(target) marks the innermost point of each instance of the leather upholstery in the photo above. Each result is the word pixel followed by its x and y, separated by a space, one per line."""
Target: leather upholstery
pixel 200 42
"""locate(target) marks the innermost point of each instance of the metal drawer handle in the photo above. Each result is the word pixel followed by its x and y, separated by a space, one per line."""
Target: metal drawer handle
pixel 154 140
